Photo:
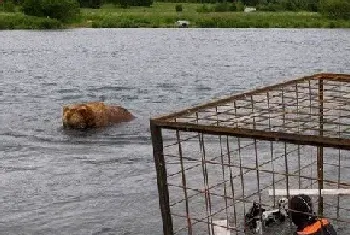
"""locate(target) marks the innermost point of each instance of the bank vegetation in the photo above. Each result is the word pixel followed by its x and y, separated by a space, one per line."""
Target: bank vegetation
pixel 54 14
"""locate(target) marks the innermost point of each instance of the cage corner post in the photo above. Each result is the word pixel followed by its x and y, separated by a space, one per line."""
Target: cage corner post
pixel 163 191
pixel 320 148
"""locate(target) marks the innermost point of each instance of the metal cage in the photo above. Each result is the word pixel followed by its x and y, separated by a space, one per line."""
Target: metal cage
pixel 214 160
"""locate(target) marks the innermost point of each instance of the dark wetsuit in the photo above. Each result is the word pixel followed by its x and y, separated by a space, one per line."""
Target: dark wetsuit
pixel 320 227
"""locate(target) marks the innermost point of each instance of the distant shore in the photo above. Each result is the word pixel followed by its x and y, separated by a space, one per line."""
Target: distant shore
pixel 163 15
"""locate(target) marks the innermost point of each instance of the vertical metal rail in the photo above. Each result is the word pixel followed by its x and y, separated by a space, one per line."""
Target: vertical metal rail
pixel 163 191
pixel 223 166
pixel 320 148
pixel 338 201
pixel 283 111
pixel 310 111
pixel 286 168
pixel 252 101
pixel 257 163
pixel 271 152
pixel 285 147
pixel 231 182
pixel 285 143
pixel 199 135
pixel 206 188
pixel 241 173
pixel 258 180
pixel 273 173
pixel 240 162
pixel 287 173
pixel 184 184
pixel 339 159
pixel 299 163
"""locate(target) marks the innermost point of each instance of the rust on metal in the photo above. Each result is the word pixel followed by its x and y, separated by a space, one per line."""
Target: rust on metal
pixel 290 135
pixel 286 111
pixel 163 191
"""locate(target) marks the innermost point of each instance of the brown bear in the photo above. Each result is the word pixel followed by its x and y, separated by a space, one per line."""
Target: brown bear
pixel 94 114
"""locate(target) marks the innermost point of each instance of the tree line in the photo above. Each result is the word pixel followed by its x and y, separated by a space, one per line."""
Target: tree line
pixel 333 7
pixel 64 10
pixel 95 4
pixel 68 10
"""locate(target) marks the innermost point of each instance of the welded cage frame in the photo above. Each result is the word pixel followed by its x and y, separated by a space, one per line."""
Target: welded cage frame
pixel 310 112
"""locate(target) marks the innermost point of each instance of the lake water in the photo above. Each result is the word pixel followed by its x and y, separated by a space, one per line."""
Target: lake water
pixel 103 181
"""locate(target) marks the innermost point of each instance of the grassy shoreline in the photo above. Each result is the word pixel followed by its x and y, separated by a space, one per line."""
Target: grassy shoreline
pixel 163 15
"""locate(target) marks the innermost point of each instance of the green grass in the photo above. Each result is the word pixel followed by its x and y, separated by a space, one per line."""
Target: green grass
pixel 17 20
pixel 155 8
pixel 164 15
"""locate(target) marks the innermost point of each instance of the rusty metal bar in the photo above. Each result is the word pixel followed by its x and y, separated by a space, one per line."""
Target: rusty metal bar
pixel 231 180
pixel 297 103
pixel 313 110
pixel 258 179
pixel 239 199
pixel 338 201
pixel 206 185
pixel 334 77
pixel 260 134
pixel 223 175
pixel 282 174
pixel 271 152
pixel 339 151
pixel 163 191
pixel 234 97
pixel 273 173
pixel 241 171
pixel 320 149
pixel 184 183
pixel 222 167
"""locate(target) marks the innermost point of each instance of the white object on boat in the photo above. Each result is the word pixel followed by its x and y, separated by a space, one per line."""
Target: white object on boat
pixel 249 9
pixel 328 191
pixel 182 23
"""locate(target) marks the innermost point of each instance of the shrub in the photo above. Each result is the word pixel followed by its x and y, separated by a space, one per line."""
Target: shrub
pixel 124 4
pixel 250 2
pixel 127 3
pixel 207 23
pixel 331 25
pixel 232 7
pixel 95 4
pixel 239 6
pixel 336 9
pixel 33 8
pixel 203 8
pixel 178 7
pixel 20 21
pixel 270 7
pixel 7 6
pixel 62 10
pixel 312 6
pixel 221 7
pixel 147 3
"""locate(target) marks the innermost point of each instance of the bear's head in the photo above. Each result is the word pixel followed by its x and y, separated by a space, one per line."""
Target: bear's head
pixel 78 116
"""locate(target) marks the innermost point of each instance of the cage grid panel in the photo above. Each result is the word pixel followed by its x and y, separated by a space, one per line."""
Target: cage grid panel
pixel 214 160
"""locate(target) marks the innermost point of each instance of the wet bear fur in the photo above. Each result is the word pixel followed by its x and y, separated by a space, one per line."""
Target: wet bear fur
pixel 94 114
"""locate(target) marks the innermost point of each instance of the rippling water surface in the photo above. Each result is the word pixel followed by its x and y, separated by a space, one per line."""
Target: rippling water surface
pixel 103 181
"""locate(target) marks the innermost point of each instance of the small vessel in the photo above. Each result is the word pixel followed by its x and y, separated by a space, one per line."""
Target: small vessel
pixel 182 23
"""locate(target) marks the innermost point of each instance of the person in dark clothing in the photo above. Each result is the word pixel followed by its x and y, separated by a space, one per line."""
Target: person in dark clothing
pixel 302 215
